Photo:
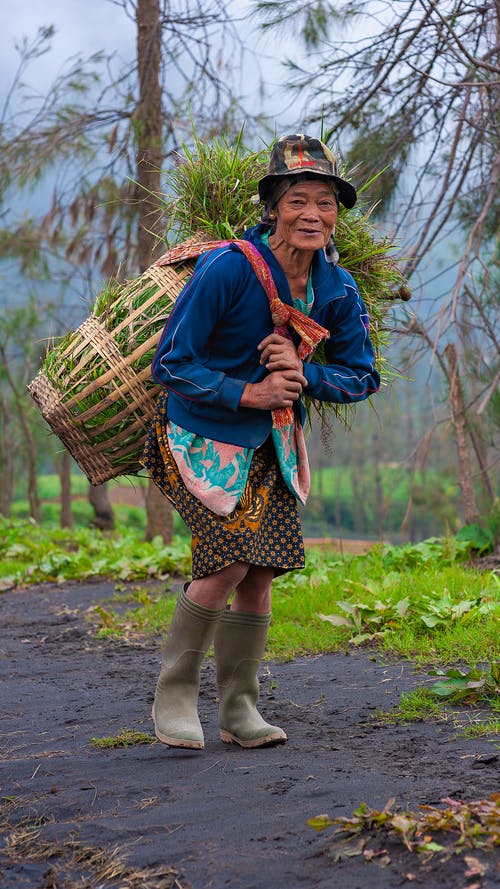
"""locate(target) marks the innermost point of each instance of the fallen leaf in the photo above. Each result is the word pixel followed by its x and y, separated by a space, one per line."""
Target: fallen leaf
pixel 432 847
pixel 347 849
pixel 319 822
pixel 400 822
pixel 382 857
pixel 476 868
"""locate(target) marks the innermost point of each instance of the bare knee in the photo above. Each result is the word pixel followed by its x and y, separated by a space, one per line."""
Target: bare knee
pixel 253 593
pixel 214 590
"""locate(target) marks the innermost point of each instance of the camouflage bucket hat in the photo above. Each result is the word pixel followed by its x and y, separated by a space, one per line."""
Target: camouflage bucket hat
pixel 298 153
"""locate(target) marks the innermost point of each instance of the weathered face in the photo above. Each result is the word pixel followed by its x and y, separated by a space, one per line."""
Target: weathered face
pixel 306 215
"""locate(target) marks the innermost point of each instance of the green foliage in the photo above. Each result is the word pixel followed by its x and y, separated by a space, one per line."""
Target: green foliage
pixel 473 686
pixel 413 706
pixel 442 550
pixel 431 704
pixel 31 554
pixel 371 142
pixel 311 21
pixel 153 616
pixel 367 622
pixel 482 728
pixel 419 601
pixel 480 539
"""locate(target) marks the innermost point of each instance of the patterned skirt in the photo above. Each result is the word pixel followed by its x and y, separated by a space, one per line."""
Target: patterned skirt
pixel 264 528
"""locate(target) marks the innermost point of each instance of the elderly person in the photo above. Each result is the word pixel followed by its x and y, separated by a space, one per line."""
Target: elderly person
pixel 227 446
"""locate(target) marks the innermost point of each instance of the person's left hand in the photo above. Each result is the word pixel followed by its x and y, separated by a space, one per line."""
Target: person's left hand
pixel 279 353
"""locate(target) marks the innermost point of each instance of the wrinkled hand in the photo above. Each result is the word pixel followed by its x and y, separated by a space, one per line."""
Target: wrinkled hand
pixel 279 353
pixel 278 390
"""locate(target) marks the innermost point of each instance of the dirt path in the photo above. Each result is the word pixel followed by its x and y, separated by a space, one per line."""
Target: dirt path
pixel 146 817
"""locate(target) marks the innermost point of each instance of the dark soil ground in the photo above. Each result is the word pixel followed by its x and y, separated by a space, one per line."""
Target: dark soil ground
pixel 146 817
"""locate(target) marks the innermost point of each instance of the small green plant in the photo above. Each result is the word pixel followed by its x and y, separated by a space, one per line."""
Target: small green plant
pixel 128 737
pixel 446 549
pixel 110 625
pixel 368 622
pixel 468 687
pixel 439 610
pixel 484 728
pixel 480 539
pixel 110 633
pixel 413 706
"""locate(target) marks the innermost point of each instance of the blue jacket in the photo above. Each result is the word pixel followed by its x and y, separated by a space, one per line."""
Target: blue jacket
pixel 208 349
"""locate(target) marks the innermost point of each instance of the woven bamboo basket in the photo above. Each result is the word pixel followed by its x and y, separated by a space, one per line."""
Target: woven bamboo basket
pixel 109 364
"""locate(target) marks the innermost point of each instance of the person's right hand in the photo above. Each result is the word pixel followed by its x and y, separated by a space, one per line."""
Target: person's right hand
pixel 277 390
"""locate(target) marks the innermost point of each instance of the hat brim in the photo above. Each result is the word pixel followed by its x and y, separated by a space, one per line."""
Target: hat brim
pixel 346 192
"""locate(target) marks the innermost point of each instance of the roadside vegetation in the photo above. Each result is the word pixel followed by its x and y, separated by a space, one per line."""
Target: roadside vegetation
pixel 426 602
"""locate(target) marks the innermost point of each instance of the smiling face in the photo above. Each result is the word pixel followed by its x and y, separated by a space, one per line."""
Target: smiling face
pixel 306 215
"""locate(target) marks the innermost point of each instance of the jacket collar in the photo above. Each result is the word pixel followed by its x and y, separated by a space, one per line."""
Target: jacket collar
pixel 326 279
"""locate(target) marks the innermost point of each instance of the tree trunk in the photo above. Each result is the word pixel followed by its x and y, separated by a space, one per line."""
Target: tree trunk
pixel 471 512
pixel 159 515
pixel 477 444
pixel 66 519
pixel 104 517
pixel 6 462
pixel 29 442
pixel 149 128
pixel 148 117
pixel 33 493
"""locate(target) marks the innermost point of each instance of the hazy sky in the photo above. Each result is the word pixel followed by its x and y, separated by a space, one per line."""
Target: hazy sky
pixel 82 26
pixel 86 26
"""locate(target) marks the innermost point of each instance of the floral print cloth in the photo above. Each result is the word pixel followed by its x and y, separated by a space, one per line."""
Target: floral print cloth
pixel 264 529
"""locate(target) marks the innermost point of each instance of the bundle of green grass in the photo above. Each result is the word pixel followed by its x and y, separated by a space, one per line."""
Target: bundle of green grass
pixel 95 388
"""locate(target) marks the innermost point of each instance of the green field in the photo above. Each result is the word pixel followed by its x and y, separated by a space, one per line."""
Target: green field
pixel 339 503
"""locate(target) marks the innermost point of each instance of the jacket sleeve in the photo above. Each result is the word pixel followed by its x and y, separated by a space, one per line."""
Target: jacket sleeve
pixel 180 360
pixel 349 374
